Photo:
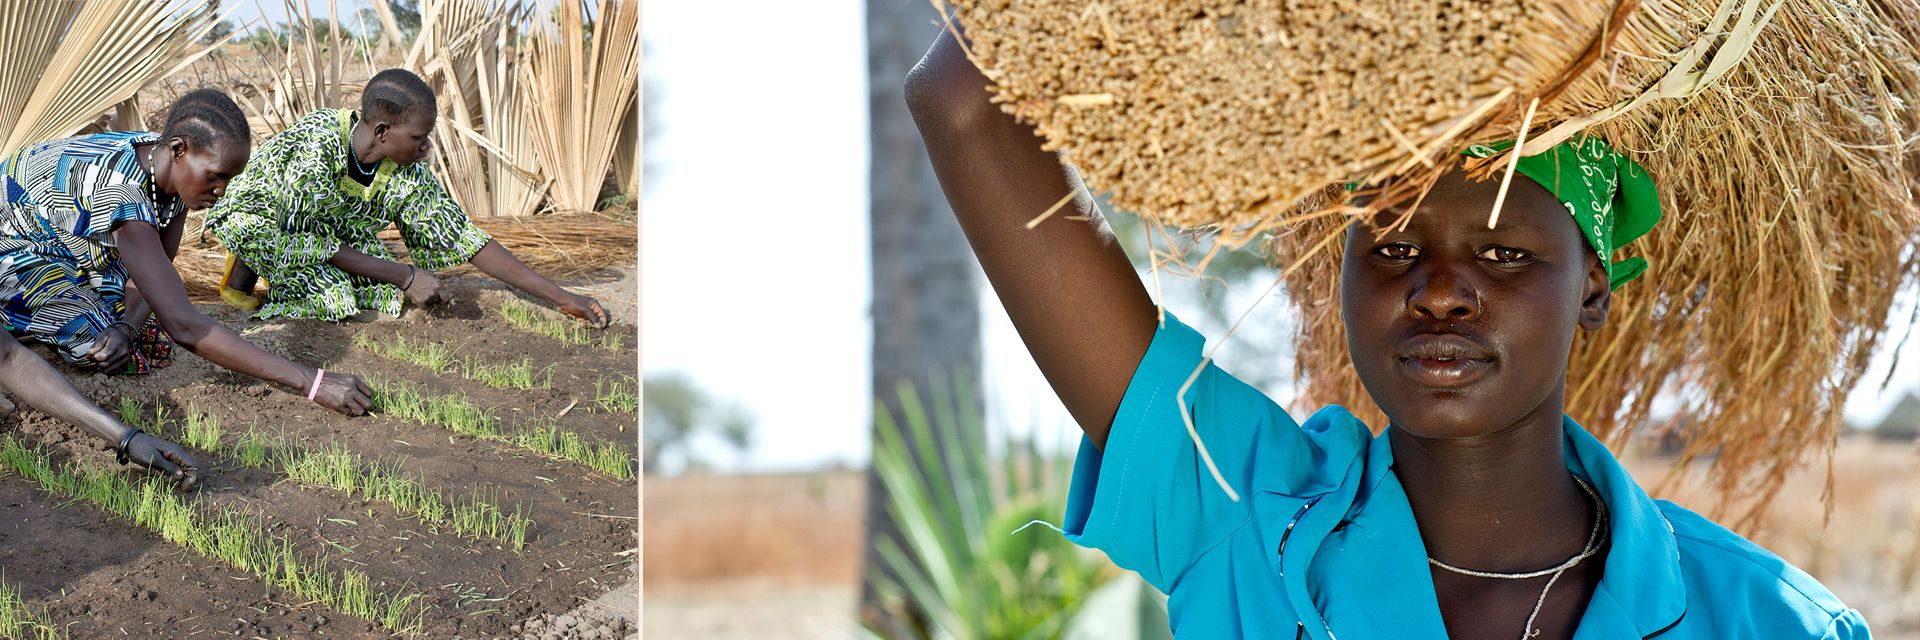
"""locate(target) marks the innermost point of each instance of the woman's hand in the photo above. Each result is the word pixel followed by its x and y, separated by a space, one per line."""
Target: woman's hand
pixel 585 308
pixel 344 392
pixel 112 348
pixel 424 290
pixel 169 459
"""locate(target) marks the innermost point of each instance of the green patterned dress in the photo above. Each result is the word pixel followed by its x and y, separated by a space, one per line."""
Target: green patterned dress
pixel 294 205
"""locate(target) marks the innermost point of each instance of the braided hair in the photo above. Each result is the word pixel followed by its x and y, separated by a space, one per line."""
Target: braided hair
pixel 205 117
pixel 394 93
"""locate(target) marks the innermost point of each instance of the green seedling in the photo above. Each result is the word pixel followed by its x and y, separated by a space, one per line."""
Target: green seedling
pixel 454 411
pixel 617 392
pixel 251 448
pixel 545 437
pixel 532 319
pixel 458 413
pixel 203 430
pixel 431 355
pixel 335 467
pixel 130 411
pixel 17 620
pixel 221 533
pixel 518 375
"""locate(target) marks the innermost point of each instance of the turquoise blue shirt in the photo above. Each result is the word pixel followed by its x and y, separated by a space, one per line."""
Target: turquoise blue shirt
pixel 1323 543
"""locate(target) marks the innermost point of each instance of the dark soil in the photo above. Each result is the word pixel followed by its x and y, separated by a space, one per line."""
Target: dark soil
pixel 100 576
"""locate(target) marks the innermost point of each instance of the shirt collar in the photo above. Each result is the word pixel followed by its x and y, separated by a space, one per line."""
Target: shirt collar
pixel 1376 583
pixel 343 120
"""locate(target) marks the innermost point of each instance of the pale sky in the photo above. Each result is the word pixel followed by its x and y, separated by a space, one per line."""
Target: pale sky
pixel 755 242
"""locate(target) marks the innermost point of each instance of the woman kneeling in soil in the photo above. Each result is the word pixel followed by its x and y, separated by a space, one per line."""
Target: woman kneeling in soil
pixel 1482 511
pixel 89 226
pixel 307 213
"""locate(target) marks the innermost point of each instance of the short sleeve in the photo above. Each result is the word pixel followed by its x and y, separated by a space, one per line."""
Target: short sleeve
pixel 104 194
pixel 114 204
pixel 437 231
pixel 1149 501
pixel 1849 625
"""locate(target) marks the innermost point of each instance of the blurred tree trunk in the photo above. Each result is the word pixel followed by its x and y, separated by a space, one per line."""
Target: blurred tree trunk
pixel 926 311
pixel 389 29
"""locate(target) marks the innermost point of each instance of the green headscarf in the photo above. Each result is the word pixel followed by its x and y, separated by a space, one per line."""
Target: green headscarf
pixel 1610 196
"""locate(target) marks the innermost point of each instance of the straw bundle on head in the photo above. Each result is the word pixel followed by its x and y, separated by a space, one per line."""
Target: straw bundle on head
pixel 1783 136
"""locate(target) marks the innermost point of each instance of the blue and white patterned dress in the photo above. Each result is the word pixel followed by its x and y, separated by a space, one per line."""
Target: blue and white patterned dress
pixel 61 279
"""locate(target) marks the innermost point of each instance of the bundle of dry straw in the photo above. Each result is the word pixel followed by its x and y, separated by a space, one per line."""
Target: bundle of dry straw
pixel 1784 137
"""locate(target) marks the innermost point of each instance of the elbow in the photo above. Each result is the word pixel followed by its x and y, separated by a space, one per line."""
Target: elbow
pixel 939 102
pixel 190 331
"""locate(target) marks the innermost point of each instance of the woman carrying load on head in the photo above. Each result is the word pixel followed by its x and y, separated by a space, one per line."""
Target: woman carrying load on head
pixel 1481 511
pixel 89 226
pixel 307 212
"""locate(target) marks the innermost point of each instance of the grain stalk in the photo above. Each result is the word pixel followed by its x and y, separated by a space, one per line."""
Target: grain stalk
pixel 216 532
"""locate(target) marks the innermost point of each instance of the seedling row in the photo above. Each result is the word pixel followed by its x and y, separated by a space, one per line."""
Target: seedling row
pixel 334 466
pixel 458 413
pixel 217 532
pixel 334 566
pixel 21 621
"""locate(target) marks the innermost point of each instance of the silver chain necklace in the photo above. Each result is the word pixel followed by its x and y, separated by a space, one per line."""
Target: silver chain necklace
pixel 1593 547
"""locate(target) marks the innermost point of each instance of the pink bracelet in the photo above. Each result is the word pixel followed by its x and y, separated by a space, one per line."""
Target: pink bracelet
pixel 320 373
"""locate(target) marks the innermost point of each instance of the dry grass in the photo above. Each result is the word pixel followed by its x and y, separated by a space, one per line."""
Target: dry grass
pixel 557 246
pixel 1781 135
pixel 795 528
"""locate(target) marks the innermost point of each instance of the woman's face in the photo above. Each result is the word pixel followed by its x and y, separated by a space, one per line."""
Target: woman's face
pixel 199 177
pixel 1457 330
pixel 408 139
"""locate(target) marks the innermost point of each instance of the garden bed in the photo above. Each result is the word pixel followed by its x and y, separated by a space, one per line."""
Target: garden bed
pixel 396 501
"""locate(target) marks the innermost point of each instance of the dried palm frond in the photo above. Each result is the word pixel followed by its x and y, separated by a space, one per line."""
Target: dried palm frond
pixel 1783 135
pixel 311 71
pixel 68 62
pixel 486 156
pixel 584 74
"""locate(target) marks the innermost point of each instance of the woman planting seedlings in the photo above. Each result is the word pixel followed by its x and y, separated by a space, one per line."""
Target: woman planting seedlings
pixel 1482 511
pixel 89 226
pixel 35 382
pixel 307 212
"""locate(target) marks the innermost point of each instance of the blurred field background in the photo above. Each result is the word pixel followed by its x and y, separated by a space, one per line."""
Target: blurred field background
pixel 738 556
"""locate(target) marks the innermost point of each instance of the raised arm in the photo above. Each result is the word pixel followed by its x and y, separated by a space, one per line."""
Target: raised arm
pixel 1066 283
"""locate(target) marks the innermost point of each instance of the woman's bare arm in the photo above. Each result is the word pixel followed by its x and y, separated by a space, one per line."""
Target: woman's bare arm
pixel 1067 284
pixel 146 261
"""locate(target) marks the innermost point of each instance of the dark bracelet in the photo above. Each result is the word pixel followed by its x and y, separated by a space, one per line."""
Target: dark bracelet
pixel 411 272
pixel 120 452
pixel 122 323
